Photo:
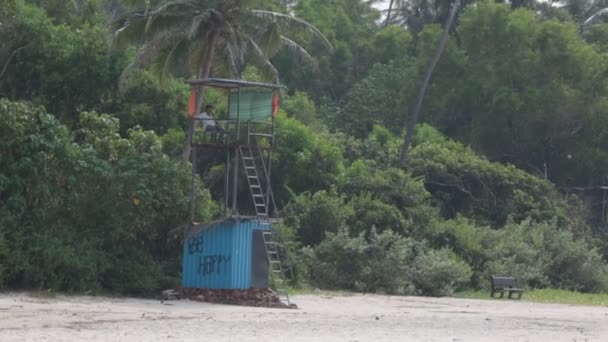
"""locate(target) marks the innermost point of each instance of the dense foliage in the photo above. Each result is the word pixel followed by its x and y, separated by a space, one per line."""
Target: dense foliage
pixel 88 210
pixel 515 113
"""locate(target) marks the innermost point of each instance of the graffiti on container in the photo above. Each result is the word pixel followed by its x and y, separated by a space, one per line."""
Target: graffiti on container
pixel 211 264
pixel 195 245
pixel 208 264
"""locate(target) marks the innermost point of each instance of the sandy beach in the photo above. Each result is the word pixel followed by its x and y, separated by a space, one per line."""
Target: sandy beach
pixel 319 318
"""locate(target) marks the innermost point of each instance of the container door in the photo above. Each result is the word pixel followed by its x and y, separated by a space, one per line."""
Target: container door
pixel 259 261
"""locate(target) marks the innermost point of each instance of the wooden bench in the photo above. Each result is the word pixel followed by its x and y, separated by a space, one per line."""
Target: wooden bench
pixel 505 284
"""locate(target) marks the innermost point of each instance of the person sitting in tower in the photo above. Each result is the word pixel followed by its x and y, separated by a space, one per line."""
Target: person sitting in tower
pixel 209 124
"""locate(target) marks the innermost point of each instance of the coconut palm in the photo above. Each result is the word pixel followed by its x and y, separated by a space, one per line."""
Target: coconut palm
pixel 585 12
pixel 412 118
pixel 184 37
pixel 414 14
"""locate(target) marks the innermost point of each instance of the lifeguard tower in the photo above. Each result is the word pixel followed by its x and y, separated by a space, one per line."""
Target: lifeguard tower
pixel 242 250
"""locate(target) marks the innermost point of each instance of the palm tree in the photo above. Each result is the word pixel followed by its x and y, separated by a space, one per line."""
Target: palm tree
pixel 412 119
pixel 191 33
pixel 415 14
pixel 585 12
pixel 389 12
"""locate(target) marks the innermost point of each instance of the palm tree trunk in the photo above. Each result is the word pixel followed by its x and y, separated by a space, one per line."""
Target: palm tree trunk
pixel 412 119
pixel 388 13
pixel 204 72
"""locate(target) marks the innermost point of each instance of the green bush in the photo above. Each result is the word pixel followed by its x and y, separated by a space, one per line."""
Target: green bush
pixel 464 183
pixel 439 272
pixel 574 264
pixel 378 264
pixel 314 216
pixel 368 212
pixel 335 262
pixel 385 262
pixel 3 255
pixel 544 255
pixel 153 105
pixel 88 212
pixel 385 191
pixel 303 159
pixel 132 270
pixel 173 142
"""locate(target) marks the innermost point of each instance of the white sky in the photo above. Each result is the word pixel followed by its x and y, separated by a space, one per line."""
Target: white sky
pixel 382 4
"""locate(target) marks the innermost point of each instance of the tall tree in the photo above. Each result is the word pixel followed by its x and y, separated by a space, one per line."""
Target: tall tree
pixel 350 26
pixel 389 12
pixel 413 117
pixel 415 14
pixel 198 30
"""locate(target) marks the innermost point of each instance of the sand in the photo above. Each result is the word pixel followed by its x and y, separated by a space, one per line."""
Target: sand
pixel 319 318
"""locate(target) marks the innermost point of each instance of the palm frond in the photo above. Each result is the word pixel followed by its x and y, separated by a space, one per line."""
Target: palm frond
pixel 263 62
pixel 177 4
pixel 172 29
pixel 170 60
pixel 596 16
pixel 270 40
pixel 151 50
pixel 130 29
pixel 299 52
pixel 196 57
pixel 237 52
pixel 233 33
pixel 138 26
pixel 233 60
pixel 291 23
pixel 235 47
pixel 197 22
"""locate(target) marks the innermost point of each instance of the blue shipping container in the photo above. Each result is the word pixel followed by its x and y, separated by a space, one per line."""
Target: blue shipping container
pixel 221 255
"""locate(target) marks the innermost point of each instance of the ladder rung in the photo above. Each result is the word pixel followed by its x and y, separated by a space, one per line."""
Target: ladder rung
pixel 247 158
pixel 249 176
pixel 249 168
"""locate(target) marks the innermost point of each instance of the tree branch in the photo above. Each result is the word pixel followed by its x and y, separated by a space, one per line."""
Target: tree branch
pixel 11 58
